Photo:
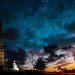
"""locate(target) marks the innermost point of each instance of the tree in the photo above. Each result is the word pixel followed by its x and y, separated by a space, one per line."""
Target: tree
pixel 40 65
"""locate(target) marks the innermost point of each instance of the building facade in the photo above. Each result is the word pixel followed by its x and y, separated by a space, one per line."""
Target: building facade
pixel 1 48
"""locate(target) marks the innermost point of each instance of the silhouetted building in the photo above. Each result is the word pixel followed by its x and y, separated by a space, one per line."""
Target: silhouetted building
pixel 1 48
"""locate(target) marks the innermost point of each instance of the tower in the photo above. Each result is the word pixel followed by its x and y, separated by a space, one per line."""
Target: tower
pixel 1 48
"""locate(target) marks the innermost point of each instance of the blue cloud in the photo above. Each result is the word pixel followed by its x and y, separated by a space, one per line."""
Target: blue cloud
pixel 39 22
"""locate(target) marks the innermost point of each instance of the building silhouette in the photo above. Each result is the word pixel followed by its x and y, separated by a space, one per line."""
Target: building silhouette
pixel 1 48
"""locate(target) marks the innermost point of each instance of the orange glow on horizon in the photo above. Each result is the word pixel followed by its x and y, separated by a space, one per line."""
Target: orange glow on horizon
pixel 68 67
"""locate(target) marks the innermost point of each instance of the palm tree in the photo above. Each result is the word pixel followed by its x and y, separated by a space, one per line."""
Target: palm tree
pixel 40 65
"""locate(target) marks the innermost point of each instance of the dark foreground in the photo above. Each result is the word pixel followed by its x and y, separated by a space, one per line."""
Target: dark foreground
pixel 37 73
pixel 23 73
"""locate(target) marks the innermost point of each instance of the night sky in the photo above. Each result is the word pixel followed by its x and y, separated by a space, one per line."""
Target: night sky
pixel 35 23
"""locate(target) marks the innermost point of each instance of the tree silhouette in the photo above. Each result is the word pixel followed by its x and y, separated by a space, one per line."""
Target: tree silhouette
pixel 59 68
pixel 40 65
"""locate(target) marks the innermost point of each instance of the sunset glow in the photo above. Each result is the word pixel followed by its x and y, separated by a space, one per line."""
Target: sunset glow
pixel 68 67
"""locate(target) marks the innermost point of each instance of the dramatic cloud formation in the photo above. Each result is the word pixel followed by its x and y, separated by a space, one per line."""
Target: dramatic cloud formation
pixel 70 27
pixel 39 22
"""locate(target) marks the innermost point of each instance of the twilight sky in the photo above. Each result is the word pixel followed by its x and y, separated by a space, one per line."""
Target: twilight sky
pixel 35 23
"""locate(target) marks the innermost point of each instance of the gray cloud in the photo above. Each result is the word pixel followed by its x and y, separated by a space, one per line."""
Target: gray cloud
pixel 70 27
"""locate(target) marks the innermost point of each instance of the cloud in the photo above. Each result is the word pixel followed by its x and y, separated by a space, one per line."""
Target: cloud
pixel 39 22
pixel 70 27
pixel 11 34
pixel 11 9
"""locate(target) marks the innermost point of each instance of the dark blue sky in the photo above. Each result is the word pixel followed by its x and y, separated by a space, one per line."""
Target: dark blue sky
pixel 35 23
